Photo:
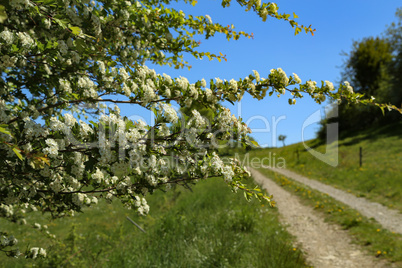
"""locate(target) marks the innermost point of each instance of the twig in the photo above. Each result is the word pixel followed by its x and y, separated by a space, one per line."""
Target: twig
pixel 128 218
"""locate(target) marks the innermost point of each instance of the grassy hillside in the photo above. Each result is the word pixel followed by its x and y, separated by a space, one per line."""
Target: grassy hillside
pixel 210 227
pixel 380 177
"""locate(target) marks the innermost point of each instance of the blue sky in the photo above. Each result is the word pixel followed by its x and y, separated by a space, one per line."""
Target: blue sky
pixel 318 57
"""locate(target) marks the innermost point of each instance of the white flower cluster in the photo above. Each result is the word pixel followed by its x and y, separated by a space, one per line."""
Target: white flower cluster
pixel 141 205
pixel 149 92
pixel 33 129
pixel 85 129
pixel 65 85
pixel 170 113
pixel 38 252
pixel 183 83
pixel 26 40
pixel 283 78
pixel 203 83
pixel 228 173
pixel 199 121
pixel 329 85
pixel 8 241
pixel 88 86
pixel 7 36
pixel 19 4
pixel 7 61
pixel 209 95
pixel 297 79
pixel 216 163
pixel 225 120
pixel 80 199
pixel 311 86
pixel 233 84
pixel 69 120
pixel 349 88
pixel 256 75
pixel 98 176
pixel 228 122
pixel 6 210
pixel 208 18
pixel 53 149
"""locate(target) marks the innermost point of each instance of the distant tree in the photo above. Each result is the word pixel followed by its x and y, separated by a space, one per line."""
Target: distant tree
pixel 368 70
pixel 368 65
pixel 373 67
pixel 394 35
pixel 282 139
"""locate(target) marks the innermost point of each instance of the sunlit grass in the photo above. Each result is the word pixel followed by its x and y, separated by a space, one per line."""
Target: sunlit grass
pixel 210 227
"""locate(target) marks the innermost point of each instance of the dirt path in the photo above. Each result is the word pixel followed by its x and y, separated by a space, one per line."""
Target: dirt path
pixel 389 218
pixel 326 245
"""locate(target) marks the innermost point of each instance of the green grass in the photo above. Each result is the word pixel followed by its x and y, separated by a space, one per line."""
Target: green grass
pixel 210 227
pixel 380 177
pixel 366 232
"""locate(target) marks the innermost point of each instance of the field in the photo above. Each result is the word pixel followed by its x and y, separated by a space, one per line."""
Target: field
pixel 209 227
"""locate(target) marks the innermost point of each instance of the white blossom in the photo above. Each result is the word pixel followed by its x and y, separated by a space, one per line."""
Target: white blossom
pixel 349 88
pixel 297 78
pixel 170 113
pixel 7 36
pixel 256 75
pixel 329 85
pixel 208 18
pixel 311 86
pixel 26 40
pixel 53 148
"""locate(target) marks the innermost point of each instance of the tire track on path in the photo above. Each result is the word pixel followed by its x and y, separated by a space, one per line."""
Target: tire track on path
pixel 389 218
pixel 326 245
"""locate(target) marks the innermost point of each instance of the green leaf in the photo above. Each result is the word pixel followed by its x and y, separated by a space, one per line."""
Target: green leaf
pixel 60 22
pixel 382 110
pixel 3 14
pixel 255 143
pixel 295 16
pixel 75 30
pixel 5 131
pixel 93 123
pixel 17 152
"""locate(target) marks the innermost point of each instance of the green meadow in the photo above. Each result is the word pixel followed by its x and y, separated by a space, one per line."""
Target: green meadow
pixel 207 226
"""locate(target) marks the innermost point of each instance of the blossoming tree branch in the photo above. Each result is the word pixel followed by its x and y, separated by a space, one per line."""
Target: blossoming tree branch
pixel 63 61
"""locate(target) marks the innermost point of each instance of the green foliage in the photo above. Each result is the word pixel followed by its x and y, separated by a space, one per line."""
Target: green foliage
pixel 368 64
pixel 374 69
